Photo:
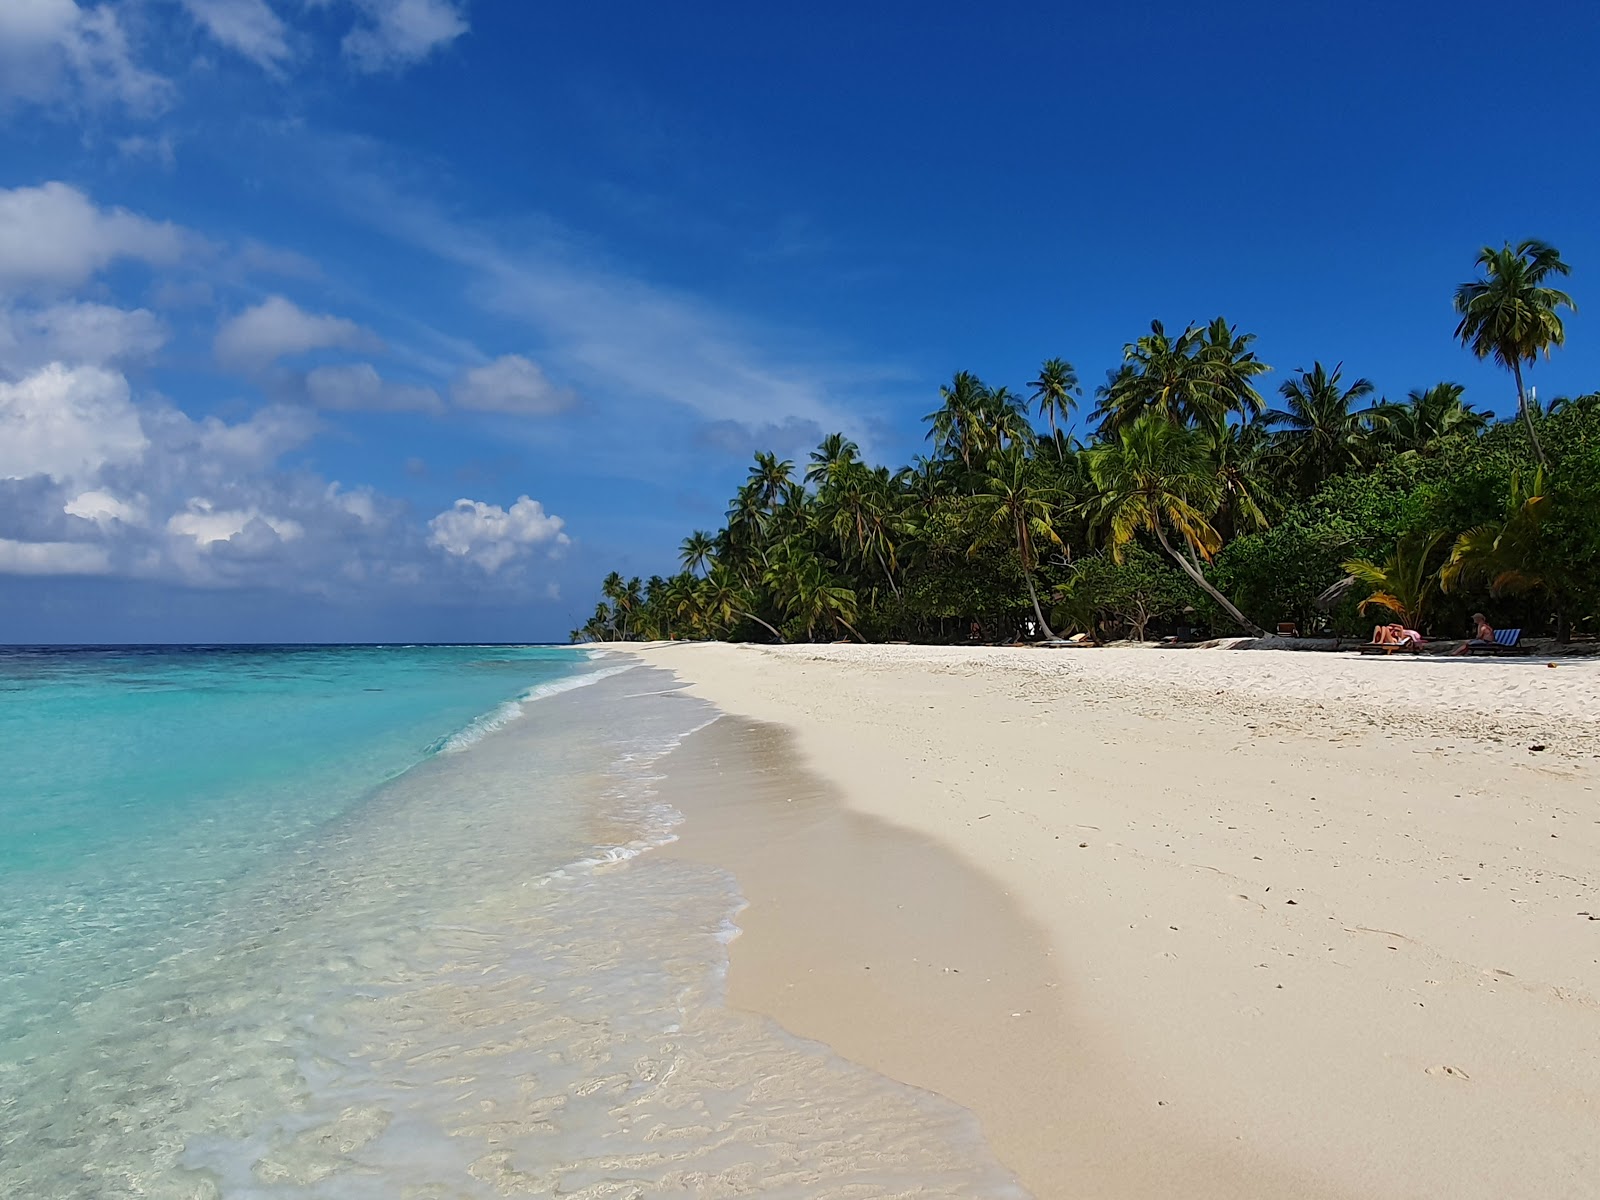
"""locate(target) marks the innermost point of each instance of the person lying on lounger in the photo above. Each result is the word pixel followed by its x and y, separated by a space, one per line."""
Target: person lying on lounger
pixel 1482 635
pixel 1395 635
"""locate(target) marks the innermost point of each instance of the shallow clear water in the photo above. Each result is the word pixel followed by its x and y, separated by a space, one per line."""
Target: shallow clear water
pixel 374 922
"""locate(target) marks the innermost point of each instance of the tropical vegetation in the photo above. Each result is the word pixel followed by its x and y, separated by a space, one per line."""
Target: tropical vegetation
pixel 1195 506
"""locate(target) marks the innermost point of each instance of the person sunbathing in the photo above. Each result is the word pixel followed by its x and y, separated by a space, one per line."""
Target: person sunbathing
pixel 1395 635
pixel 1482 635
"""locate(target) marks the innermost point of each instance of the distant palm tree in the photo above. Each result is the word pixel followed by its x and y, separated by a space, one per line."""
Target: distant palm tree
pixel 803 589
pixel 1510 314
pixel 1157 476
pixel 722 597
pixel 952 423
pixel 1406 582
pixel 834 454
pixel 1428 417
pixel 1056 392
pixel 1009 497
pixel 697 551
pixel 770 478
pixel 1321 434
pixel 1200 377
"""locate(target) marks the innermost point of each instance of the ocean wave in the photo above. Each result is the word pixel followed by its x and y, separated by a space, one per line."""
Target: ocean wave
pixel 481 727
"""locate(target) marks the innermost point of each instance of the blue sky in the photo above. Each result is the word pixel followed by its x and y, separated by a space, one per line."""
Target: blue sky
pixel 408 319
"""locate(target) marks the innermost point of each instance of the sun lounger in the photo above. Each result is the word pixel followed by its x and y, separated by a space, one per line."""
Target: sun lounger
pixel 1506 641
pixel 1403 646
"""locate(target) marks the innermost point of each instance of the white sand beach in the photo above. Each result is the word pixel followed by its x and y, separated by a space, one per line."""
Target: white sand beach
pixel 1192 923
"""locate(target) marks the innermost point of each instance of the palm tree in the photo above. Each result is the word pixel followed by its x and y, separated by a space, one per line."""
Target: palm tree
pixel 1157 476
pixel 697 551
pixel 1244 460
pixel 1405 582
pixel 723 597
pixel 1200 377
pixel 770 478
pixel 834 454
pixel 952 423
pixel 1428 417
pixel 1003 421
pixel 1011 499
pixel 1510 314
pixel 805 591
pixel 1505 554
pixel 1227 367
pixel 1321 434
pixel 1056 392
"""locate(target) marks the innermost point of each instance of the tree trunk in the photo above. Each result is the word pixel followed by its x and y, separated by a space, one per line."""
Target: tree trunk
pixel 1527 414
pixel 761 623
pixel 1200 580
pixel 1027 578
pixel 894 587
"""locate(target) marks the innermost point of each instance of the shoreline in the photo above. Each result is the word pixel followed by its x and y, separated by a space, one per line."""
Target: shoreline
pixel 1404 1023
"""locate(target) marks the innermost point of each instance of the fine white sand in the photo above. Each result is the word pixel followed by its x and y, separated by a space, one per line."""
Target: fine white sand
pixel 1289 924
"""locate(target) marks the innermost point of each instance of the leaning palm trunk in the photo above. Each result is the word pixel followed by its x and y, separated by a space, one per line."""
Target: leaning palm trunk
pixel 1194 573
pixel 1527 415
pixel 1027 578
pixel 760 622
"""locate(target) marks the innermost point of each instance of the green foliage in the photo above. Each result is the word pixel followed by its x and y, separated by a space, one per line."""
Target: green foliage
pixel 1189 505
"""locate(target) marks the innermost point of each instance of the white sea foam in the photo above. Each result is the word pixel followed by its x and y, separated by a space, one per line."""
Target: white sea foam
pixel 511 710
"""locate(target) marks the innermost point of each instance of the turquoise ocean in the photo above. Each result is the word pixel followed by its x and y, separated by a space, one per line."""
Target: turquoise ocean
pixel 371 922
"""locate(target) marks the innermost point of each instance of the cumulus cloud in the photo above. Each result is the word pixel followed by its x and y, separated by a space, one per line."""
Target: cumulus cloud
pixel 247 26
pixel 357 387
pixel 491 536
pixel 56 51
pixel 67 423
pixel 54 236
pixel 400 33
pixel 511 384
pixel 204 522
pixel 77 332
pixel 277 327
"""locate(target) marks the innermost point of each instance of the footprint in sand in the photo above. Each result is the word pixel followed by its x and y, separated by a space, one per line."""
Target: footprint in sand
pixel 1452 1072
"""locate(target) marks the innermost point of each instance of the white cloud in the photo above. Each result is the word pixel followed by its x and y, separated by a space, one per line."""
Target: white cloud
pixel 55 236
pixel 77 332
pixel 511 384
pixel 248 26
pixel 67 424
pixel 276 327
pixel 103 508
pixel 55 51
pixel 52 558
pixel 399 33
pixel 351 387
pixel 491 536
pixel 207 524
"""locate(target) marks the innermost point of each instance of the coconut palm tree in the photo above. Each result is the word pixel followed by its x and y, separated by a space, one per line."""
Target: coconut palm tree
pixel 723 596
pixel 1428 417
pixel 1003 422
pixel 1318 430
pixel 834 454
pixel 1010 497
pixel 1406 582
pixel 1200 377
pixel 770 478
pixel 697 552
pixel 1503 554
pixel 805 592
pixel 952 423
pixel 1511 314
pixel 1056 393
pixel 1157 477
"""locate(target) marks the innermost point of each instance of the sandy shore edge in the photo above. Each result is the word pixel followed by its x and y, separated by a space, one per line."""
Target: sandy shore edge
pixel 1341 960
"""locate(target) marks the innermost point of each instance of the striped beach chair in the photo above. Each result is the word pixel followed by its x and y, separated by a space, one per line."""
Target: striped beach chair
pixel 1506 641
